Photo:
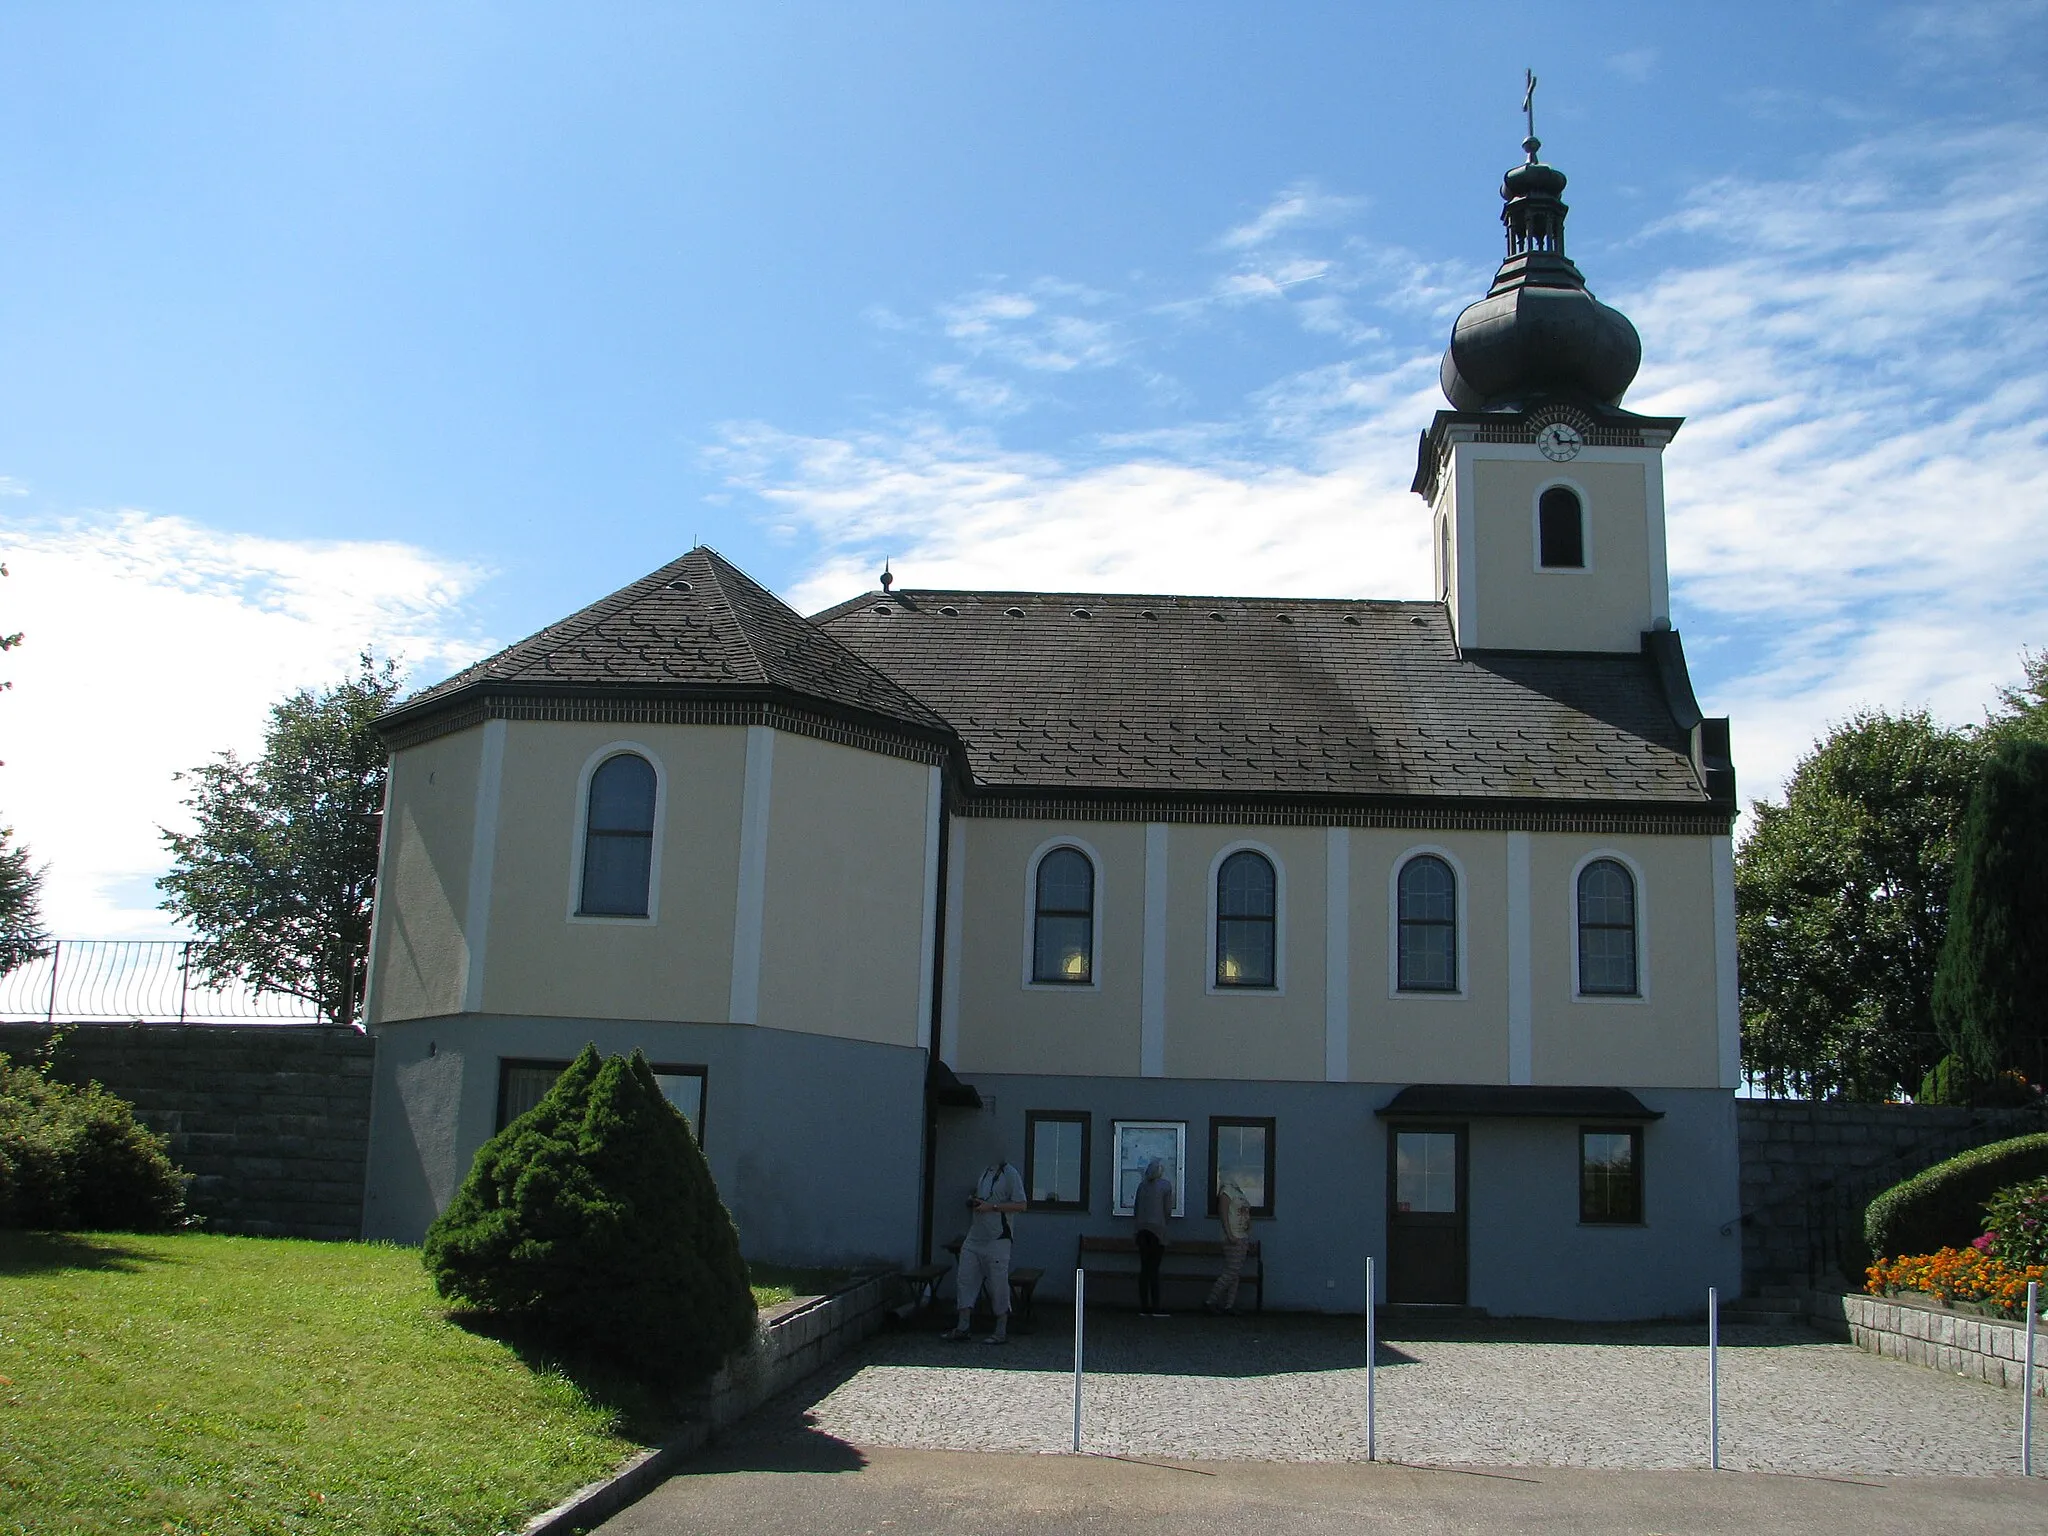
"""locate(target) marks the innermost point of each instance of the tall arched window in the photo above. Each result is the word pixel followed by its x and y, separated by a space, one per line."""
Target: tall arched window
pixel 1560 530
pixel 1063 922
pixel 618 838
pixel 1607 929
pixel 1427 898
pixel 1245 921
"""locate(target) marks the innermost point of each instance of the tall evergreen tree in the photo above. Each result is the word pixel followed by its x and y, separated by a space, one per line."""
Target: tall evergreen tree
pixel 1991 989
pixel 22 935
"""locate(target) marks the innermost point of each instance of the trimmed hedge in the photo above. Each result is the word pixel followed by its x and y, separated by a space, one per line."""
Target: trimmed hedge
pixel 593 1221
pixel 1943 1206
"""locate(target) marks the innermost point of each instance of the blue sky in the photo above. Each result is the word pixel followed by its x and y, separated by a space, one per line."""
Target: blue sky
pixel 422 326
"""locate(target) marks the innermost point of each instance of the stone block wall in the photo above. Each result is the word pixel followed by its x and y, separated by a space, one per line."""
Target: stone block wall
pixel 1809 1164
pixel 272 1121
pixel 1959 1343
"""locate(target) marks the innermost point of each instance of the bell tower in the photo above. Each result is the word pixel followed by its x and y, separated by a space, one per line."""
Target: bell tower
pixel 1546 497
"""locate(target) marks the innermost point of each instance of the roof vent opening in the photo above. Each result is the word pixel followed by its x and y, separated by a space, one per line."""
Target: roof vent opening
pixel 1147 613
pixel 1218 617
pixel 680 586
pixel 1350 618
pixel 1083 613
pixel 1015 613
pixel 1286 618
pixel 950 611
pixel 1417 618
pixel 882 608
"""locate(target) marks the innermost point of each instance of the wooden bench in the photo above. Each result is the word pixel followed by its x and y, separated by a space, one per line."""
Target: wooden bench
pixel 924 1288
pixel 1023 1291
pixel 1206 1255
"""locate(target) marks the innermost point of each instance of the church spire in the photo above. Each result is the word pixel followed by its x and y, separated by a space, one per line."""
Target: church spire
pixel 1538 331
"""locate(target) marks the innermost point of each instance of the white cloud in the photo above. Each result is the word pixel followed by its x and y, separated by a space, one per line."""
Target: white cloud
pixel 1303 205
pixel 1858 503
pixel 153 643
pixel 1634 64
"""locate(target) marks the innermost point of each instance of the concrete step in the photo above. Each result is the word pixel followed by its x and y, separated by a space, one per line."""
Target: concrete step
pixel 1767 1303
pixel 1428 1312
pixel 1762 1319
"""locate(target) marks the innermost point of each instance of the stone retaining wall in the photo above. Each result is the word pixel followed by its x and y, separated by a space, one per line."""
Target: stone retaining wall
pixel 796 1339
pixel 1926 1333
pixel 1805 1162
pixel 272 1121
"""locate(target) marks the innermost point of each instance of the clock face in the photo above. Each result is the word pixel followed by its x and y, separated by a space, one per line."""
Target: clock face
pixel 1559 442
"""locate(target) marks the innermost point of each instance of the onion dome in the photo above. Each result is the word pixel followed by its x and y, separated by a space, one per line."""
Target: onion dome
pixel 1538 331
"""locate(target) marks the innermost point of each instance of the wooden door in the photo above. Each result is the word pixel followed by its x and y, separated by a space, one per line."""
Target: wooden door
pixel 1426 1214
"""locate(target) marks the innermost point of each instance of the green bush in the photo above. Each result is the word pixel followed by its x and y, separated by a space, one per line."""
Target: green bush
pixel 593 1222
pixel 75 1159
pixel 1940 1207
pixel 1951 1081
pixel 2017 1219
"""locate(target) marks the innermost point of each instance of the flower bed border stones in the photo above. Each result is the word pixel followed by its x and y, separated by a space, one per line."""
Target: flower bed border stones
pixel 1923 1332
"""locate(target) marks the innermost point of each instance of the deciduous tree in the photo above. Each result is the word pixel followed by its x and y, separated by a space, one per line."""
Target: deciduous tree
pixel 1841 896
pixel 278 874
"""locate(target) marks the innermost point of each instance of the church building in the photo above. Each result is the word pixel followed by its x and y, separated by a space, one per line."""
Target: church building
pixel 1415 917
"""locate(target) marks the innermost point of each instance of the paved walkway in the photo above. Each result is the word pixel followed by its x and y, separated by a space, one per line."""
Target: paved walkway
pixel 1485 1394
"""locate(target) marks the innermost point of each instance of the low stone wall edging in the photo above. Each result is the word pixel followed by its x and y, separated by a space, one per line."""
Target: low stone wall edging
pixel 1921 1333
pixel 791 1345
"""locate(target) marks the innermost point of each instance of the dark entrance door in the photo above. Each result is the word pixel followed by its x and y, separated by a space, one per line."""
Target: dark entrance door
pixel 1426 1214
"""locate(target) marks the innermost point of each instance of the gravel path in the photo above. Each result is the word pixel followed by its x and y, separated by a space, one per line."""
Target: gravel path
pixel 1485 1394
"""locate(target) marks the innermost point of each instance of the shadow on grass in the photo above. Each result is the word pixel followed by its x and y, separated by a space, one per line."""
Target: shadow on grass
pixel 41 1253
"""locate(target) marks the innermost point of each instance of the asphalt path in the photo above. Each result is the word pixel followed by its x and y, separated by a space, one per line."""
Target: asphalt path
pixel 823 1485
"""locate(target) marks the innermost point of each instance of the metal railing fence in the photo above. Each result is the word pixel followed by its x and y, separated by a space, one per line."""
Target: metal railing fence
pixel 140 980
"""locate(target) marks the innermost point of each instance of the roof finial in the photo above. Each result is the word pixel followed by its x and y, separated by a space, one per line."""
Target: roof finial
pixel 1531 144
pixel 888 576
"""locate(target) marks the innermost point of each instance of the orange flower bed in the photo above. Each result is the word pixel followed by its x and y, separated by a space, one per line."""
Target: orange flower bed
pixel 1958 1274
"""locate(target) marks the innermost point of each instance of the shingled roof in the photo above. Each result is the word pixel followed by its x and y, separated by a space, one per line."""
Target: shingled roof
pixel 1256 696
pixel 699 624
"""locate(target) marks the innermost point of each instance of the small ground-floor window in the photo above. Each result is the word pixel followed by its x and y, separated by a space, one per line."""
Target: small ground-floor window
pixel 523 1084
pixel 1241 1149
pixel 1056 1159
pixel 1611 1176
pixel 1137 1143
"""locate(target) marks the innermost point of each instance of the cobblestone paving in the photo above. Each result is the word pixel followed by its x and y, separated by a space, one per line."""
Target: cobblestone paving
pixel 1486 1394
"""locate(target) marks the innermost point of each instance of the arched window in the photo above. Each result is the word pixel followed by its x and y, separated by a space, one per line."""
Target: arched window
pixel 1427 894
pixel 1063 923
pixel 1607 929
pixel 1245 925
pixel 618 838
pixel 1560 530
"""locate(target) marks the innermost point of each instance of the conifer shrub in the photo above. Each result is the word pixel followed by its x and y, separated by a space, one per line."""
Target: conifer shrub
pixel 593 1223
pixel 76 1159
pixel 1992 976
pixel 1942 1206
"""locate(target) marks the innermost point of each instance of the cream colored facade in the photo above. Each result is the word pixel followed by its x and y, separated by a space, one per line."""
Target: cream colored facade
pixel 1487 570
pixel 1337 1013
pixel 793 883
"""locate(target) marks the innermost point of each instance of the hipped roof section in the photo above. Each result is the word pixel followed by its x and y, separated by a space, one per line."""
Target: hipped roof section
pixel 699 626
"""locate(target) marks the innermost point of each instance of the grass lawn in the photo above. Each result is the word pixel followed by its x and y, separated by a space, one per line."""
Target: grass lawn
pixel 224 1385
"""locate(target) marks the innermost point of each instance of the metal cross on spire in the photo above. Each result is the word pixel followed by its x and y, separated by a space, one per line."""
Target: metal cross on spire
pixel 1531 144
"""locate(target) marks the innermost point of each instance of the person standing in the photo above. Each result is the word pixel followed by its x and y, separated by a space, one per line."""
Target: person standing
pixel 1152 1206
pixel 985 1253
pixel 1234 1215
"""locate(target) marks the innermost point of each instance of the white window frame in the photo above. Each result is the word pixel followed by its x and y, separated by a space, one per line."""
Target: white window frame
pixel 1394 989
pixel 1117 1205
pixel 1585 529
pixel 1094 981
pixel 580 821
pixel 1279 987
pixel 1642 992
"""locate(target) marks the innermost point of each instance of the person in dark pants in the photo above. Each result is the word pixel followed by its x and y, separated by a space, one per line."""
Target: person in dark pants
pixel 1152 1207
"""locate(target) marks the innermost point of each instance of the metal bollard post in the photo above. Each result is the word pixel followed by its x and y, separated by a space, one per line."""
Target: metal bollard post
pixel 1080 1293
pixel 1714 1378
pixel 2027 1383
pixel 1372 1349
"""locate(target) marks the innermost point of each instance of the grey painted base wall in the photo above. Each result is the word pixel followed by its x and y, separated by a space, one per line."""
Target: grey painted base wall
pixel 1529 1255
pixel 271 1120
pixel 816 1142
